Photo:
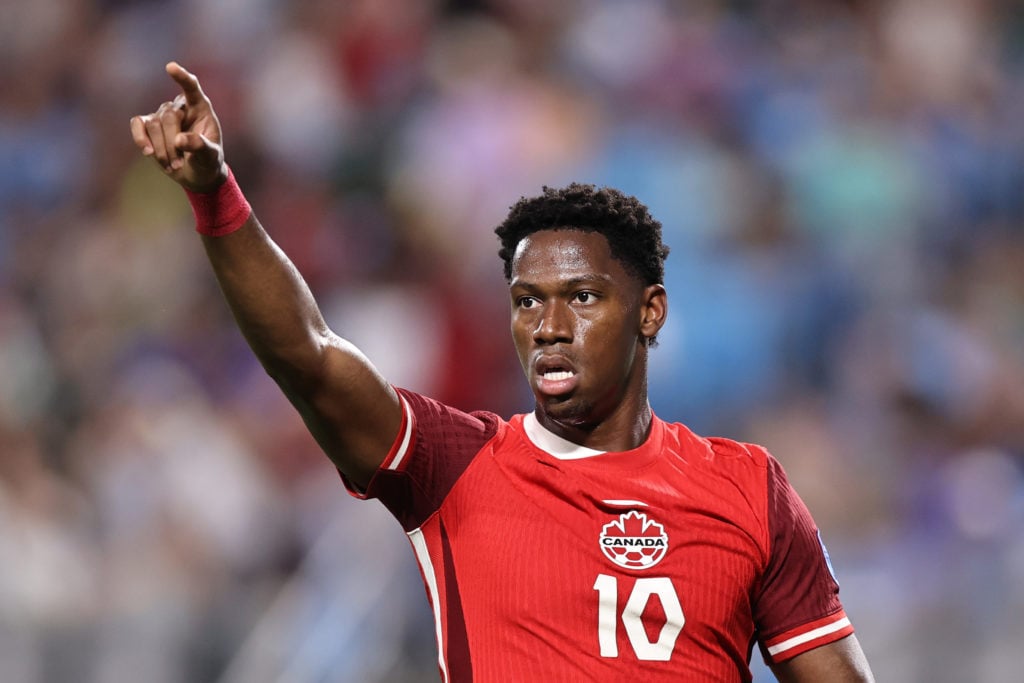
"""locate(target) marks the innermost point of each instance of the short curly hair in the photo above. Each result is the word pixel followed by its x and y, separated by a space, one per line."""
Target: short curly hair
pixel 632 233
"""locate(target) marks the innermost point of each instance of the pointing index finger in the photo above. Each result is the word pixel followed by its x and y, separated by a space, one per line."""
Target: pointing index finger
pixel 187 81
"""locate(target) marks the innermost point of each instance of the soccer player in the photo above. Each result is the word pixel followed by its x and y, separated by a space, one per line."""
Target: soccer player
pixel 584 541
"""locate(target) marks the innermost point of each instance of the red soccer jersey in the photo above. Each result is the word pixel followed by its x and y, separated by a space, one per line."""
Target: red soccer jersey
pixel 545 561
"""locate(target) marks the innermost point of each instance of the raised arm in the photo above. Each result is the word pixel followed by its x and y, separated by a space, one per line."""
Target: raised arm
pixel 353 413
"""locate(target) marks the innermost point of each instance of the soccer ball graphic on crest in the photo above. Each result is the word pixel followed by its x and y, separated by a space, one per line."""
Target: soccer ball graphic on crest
pixel 634 541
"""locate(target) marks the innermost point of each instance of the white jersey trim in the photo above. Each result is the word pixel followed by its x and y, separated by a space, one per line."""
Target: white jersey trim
pixel 813 634
pixel 407 424
pixel 552 444
pixel 419 545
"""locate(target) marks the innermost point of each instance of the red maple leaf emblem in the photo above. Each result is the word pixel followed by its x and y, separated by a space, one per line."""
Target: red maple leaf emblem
pixel 634 524
pixel 622 541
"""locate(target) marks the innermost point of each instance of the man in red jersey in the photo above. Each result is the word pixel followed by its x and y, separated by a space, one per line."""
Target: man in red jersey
pixel 585 541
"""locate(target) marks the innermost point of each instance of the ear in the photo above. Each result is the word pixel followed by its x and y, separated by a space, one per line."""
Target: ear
pixel 653 310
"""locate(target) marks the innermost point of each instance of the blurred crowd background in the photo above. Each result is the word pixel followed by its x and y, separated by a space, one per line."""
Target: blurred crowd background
pixel 841 187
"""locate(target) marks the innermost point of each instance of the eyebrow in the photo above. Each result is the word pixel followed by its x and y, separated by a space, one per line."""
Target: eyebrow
pixel 570 283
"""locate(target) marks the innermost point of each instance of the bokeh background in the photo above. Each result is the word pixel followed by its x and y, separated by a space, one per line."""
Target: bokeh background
pixel 841 186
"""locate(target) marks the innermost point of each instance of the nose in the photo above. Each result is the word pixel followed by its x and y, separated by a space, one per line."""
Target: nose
pixel 554 324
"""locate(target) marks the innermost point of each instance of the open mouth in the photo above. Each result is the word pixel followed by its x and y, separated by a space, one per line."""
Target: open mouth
pixel 557 375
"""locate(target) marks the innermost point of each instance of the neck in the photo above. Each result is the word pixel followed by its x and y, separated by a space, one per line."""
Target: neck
pixel 618 419
pixel 623 430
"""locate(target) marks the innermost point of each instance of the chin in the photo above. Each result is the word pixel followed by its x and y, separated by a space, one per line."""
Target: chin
pixel 568 411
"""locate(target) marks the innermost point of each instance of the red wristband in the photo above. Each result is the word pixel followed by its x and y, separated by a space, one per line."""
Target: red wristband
pixel 222 211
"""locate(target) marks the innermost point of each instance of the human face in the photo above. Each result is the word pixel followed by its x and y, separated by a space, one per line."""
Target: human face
pixel 578 322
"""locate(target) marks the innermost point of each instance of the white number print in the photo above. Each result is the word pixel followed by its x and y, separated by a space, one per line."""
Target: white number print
pixel 660 650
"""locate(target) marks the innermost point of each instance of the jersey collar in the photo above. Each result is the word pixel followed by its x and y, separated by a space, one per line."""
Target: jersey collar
pixel 552 444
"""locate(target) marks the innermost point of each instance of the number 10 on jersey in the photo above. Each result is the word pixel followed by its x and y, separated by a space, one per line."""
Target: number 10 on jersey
pixel 608 616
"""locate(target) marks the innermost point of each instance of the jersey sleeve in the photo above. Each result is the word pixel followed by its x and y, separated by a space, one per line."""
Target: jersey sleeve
pixel 434 446
pixel 796 606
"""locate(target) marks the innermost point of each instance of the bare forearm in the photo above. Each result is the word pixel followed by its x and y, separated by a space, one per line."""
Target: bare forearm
pixel 272 304
pixel 350 409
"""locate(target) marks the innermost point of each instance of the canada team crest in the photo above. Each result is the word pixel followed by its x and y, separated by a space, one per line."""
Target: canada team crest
pixel 634 541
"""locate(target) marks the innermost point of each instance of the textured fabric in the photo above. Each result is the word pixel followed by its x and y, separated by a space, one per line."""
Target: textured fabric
pixel 222 211
pixel 668 561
